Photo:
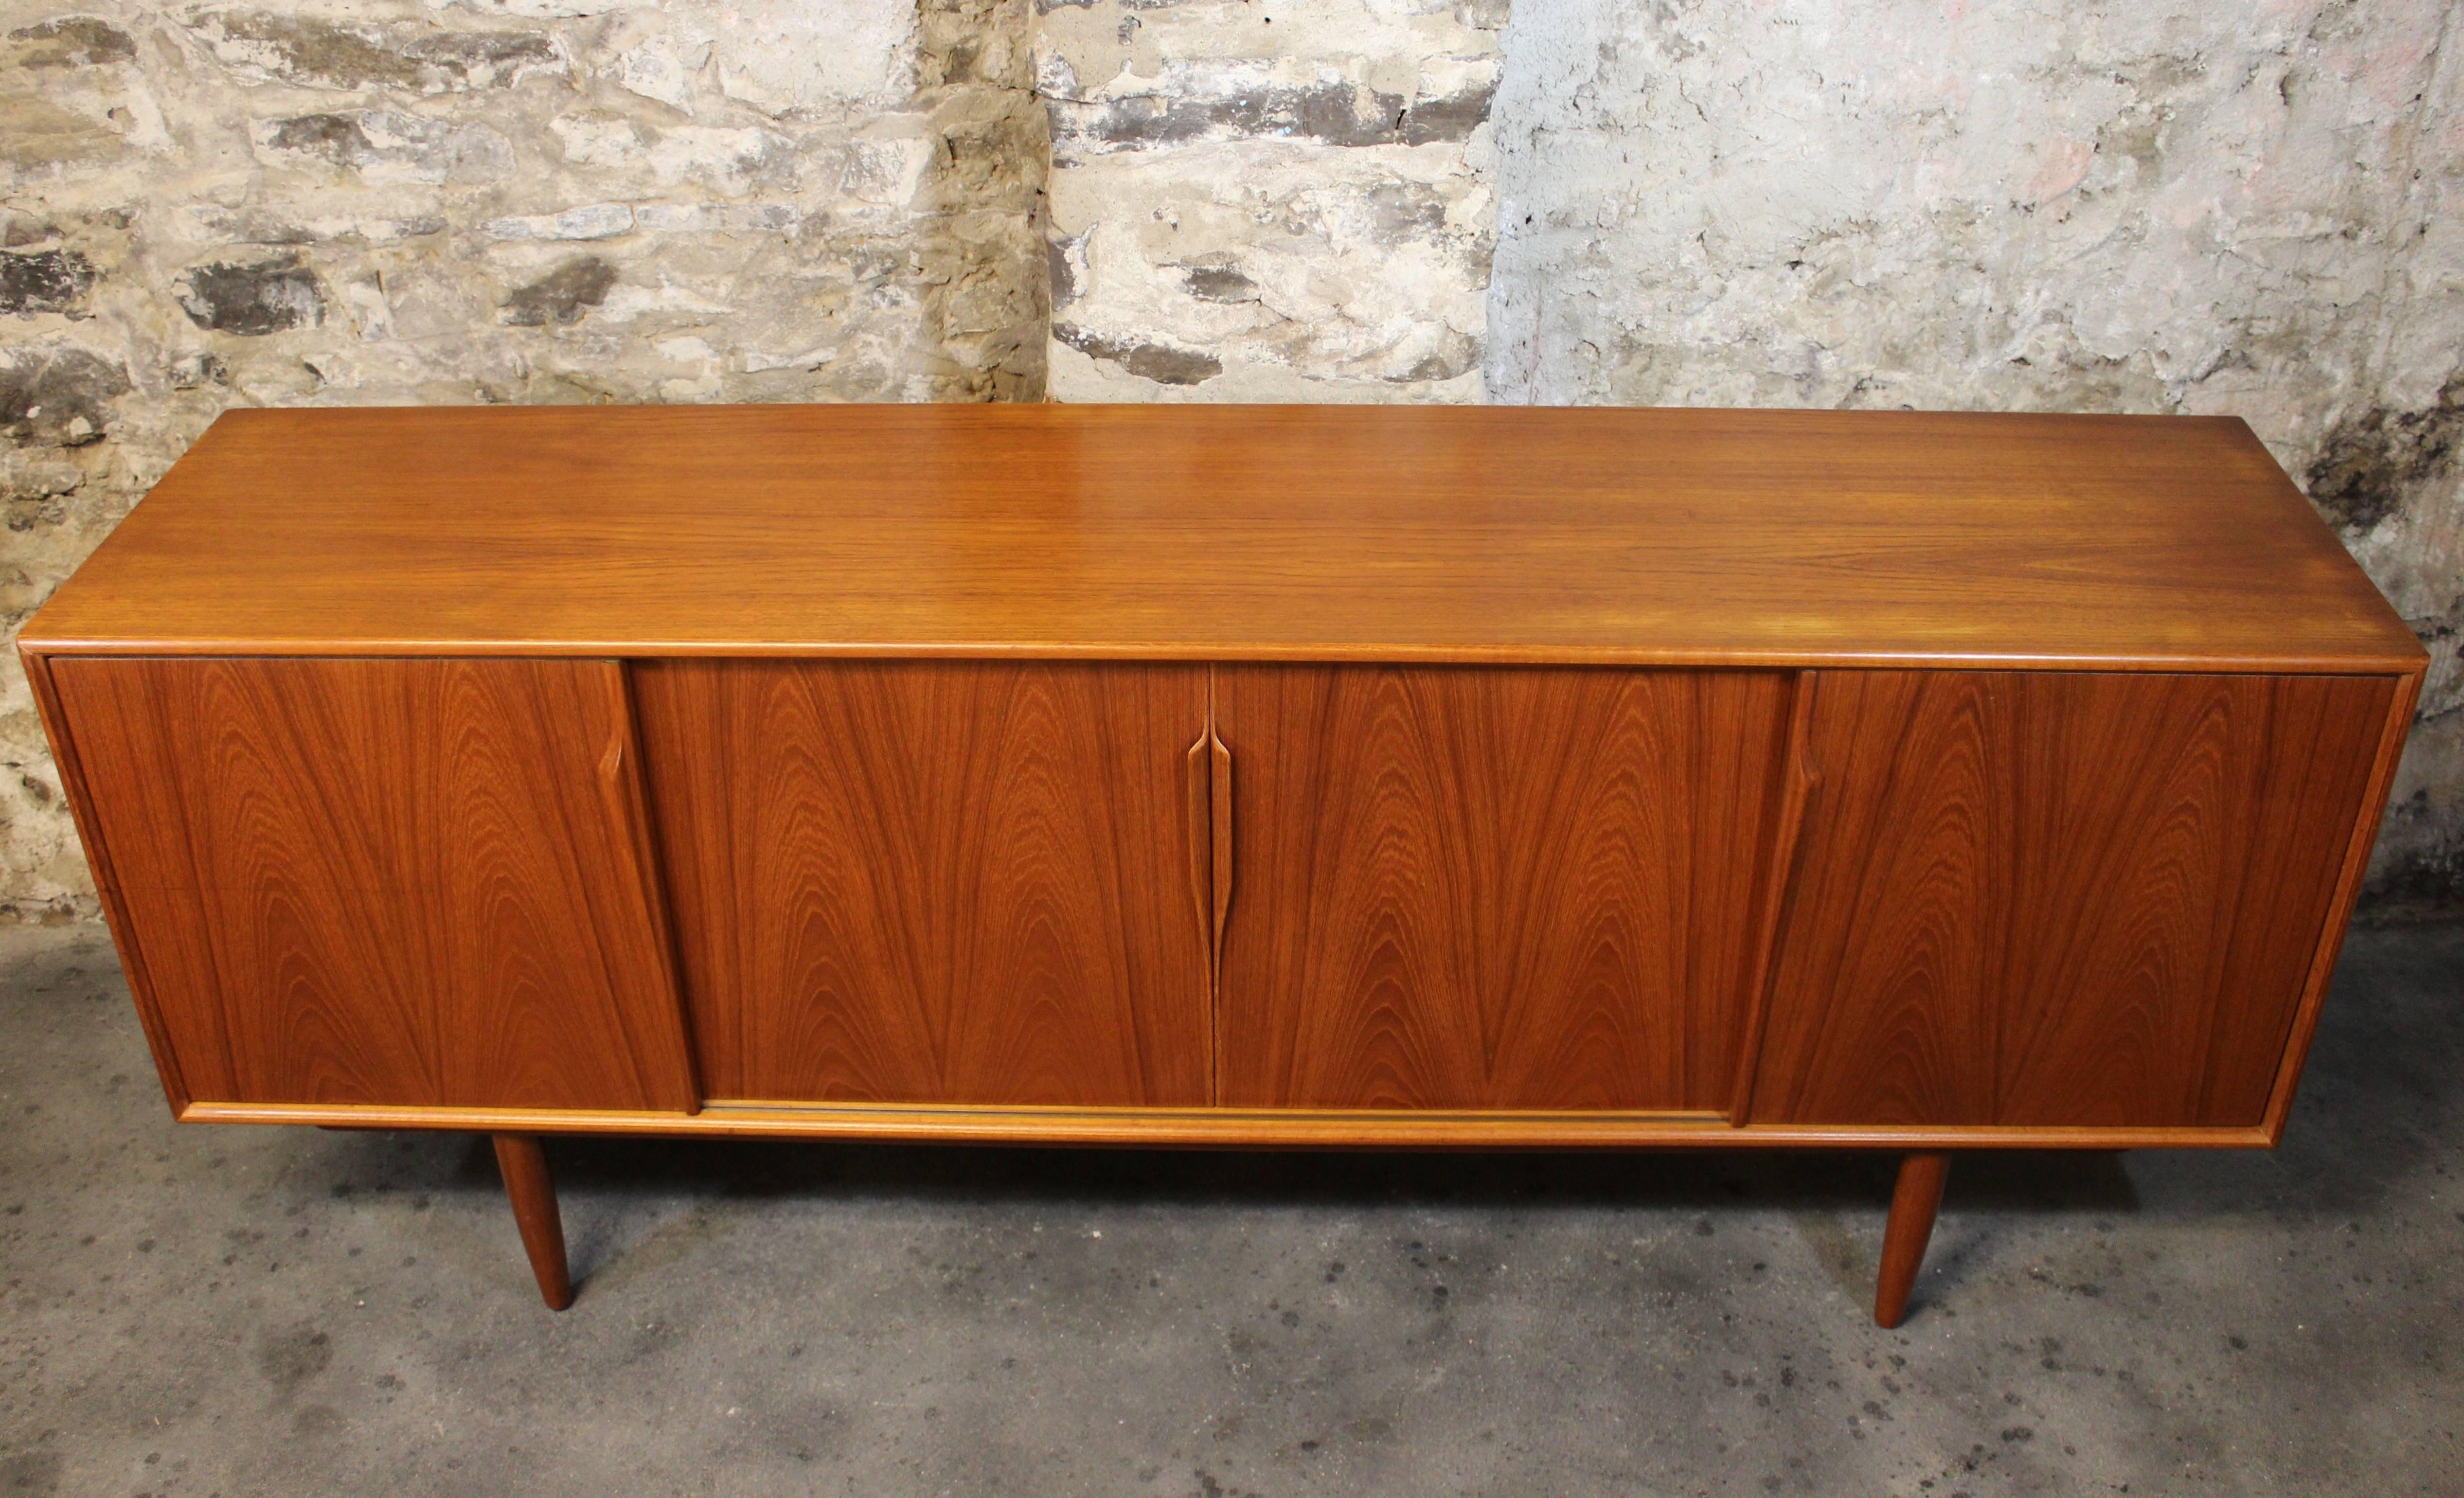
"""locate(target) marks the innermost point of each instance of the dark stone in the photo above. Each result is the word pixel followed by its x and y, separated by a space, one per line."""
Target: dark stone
pixel 72 41
pixel 563 295
pixel 1453 118
pixel 1061 263
pixel 1219 284
pixel 58 397
pixel 267 296
pixel 1338 114
pixel 196 371
pixel 1157 362
pixel 45 280
pixel 2367 464
pixel 338 137
pixel 256 228
pixel 1327 112
pixel 404 56
pixel 1456 359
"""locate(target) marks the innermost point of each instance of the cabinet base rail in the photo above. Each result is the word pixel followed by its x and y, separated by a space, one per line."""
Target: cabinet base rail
pixel 523 1163
pixel 1239 1128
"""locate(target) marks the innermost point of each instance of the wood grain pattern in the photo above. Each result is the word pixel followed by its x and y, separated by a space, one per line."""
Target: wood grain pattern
pixel 1776 884
pixel 1915 1198
pixel 1239 1128
pixel 385 882
pixel 2340 911
pixel 2059 898
pixel 98 856
pixel 934 882
pixel 1486 889
pixel 1191 532
pixel 532 1192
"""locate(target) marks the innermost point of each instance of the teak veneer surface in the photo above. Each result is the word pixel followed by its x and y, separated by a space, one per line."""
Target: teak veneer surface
pixel 383 881
pixel 1210 532
pixel 935 881
pixel 1479 888
pixel 2049 898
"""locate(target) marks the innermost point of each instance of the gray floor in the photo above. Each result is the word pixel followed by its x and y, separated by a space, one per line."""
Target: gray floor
pixel 262 1310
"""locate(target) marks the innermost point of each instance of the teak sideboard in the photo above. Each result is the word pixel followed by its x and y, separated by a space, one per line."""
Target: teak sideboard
pixel 1196 774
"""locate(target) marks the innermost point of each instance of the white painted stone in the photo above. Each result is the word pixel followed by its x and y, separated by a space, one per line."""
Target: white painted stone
pixel 598 138
pixel 598 221
pixel 716 218
pixel 630 304
pixel 663 69
pixel 787 56
pixel 726 161
pixel 541 8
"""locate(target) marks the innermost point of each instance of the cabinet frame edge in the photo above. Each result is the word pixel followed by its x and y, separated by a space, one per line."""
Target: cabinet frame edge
pixel 1230 1127
pixel 2340 909
pixel 53 715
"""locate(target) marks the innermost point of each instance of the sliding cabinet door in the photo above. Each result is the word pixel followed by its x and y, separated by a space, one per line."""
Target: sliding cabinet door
pixel 2055 898
pixel 1493 888
pixel 400 882
pixel 935 882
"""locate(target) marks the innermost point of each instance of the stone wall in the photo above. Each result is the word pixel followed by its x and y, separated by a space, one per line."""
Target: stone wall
pixel 2159 205
pixel 2250 209
pixel 384 201
pixel 1260 201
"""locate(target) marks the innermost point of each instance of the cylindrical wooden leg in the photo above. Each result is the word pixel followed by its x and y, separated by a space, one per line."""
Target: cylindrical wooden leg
pixel 1913 1205
pixel 524 1165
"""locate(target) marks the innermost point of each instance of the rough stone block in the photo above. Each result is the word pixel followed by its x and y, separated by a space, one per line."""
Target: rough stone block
pixel 44 280
pixel 597 221
pixel 385 147
pixel 316 52
pixel 253 299
pixel 563 295
pixel 70 41
pixel 58 395
pixel 1250 205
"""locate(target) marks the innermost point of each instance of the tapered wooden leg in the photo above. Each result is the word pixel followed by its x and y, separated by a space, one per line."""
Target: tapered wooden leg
pixel 524 1166
pixel 1913 1203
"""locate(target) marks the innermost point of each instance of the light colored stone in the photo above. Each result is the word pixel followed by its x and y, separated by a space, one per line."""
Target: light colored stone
pixel 662 68
pixel 1283 205
pixel 386 147
pixel 789 56
pixel 297 46
pixel 716 218
pixel 597 221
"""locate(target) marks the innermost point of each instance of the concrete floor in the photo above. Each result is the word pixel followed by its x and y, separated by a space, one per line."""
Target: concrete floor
pixel 279 1312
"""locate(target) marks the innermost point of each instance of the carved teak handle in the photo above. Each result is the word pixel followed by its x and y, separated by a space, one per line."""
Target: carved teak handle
pixel 1209 762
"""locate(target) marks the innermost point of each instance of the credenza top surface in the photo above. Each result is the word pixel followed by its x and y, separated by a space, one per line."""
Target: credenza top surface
pixel 1733 537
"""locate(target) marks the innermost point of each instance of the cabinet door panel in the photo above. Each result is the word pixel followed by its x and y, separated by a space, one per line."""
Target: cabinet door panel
pixel 2058 898
pixel 1510 887
pixel 385 881
pixel 949 882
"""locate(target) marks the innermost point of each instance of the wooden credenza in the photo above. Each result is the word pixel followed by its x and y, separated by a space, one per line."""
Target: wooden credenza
pixel 1230 776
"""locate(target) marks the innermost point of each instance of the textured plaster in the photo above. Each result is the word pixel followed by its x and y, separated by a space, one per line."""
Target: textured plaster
pixel 2159 206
